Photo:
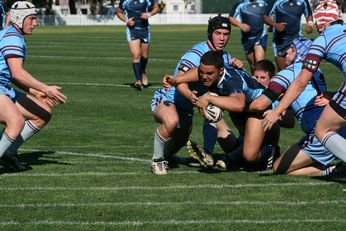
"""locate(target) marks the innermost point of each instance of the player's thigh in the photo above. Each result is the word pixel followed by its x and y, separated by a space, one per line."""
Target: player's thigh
pixel 253 138
pixel 166 113
pixel 250 57
pixel 135 48
pixel 144 50
pixel 329 121
pixel 259 52
pixel 32 108
pixel 292 159
pixel 9 113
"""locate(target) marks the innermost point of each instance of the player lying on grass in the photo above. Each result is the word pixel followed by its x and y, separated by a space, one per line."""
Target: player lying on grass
pixel 235 89
pixel 308 156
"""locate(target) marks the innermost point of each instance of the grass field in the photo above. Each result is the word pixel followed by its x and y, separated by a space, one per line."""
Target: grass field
pixel 90 165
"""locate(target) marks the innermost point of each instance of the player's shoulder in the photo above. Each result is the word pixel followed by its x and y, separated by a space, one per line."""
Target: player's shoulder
pixel 11 34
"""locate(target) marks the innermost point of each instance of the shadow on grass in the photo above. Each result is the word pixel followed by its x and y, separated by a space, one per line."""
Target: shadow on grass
pixel 34 158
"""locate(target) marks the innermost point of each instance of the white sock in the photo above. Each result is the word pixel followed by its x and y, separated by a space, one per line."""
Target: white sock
pixel 5 142
pixel 159 145
pixel 28 131
pixel 335 144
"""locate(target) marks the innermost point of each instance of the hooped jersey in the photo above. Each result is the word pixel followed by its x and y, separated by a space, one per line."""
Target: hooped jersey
pixel 331 46
pixel 251 13
pixel 305 110
pixel 12 44
pixel 134 8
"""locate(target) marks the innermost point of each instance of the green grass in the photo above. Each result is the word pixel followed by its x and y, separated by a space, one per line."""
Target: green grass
pixel 90 165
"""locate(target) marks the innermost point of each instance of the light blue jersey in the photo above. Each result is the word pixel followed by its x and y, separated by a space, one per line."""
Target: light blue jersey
pixel 305 110
pixel 12 44
pixel 331 46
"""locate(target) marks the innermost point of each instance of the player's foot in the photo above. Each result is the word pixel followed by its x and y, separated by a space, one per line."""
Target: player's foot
pixel 221 164
pixel 138 85
pixel 205 159
pixel 159 166
pixel 145 80
pixel 13 163
pixel 339 170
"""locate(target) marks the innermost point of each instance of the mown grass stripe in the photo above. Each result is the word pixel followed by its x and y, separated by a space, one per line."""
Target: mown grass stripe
pixel 156 188
pixel 153 203
pixel 173 222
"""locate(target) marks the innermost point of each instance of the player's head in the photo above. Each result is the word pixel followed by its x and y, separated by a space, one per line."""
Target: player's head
pixel 20 11
pixel 298 50
pixel 219 29
pixel 264 71
pixel 326 12
pixel 211 67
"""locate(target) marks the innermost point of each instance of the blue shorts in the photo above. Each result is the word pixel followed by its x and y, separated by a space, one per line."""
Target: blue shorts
pixel 10 92
pixel 338 102
pixel 184 107
pixel 313 148
pixel 280 47
pixel 250 42
pixel 135 33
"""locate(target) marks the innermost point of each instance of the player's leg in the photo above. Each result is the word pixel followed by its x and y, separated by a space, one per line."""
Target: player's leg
pixel 226 139
pixel 11 116
pixel 250 57
pixel 135 49
pixel 37 115
pixel 166 115
pixel 144 62
pixel 295 161
pixel 253 139
pixel 332 118
pixel 259 52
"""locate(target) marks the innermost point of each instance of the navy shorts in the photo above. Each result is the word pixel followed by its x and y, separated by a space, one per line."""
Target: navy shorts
pixel 142 34
pixel 250 42
pixel 281 46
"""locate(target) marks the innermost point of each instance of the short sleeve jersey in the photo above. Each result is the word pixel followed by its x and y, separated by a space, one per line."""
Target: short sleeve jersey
pixel 331 46
pixel 134 8
pixel 290 12
pixel 12 44
pixel 238 81
pixel 250 13
pixel 305 110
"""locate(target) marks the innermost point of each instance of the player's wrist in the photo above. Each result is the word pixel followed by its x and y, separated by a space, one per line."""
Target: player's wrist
pixel 149 15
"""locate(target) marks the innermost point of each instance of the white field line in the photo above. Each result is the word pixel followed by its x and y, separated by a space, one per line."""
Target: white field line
pixel 152 203
pixel 92 84
pixel 99 57
pixel 158 188
pixel 174 222
pixel 99 155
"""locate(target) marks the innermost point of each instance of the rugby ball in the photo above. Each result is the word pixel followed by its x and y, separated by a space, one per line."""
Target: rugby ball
pixel 212 113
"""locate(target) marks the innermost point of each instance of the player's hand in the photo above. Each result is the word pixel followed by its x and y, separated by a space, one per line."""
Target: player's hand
pixel 53 92
pixel 321 100
pixel 168 81
pixel 270 118
pixel 236 63
pixel 51 102
pixel 131 21
pixel 193 97
pixel 309 29
pixel 145 15
pixel 202 103
pixel 245 27
pixel 281 26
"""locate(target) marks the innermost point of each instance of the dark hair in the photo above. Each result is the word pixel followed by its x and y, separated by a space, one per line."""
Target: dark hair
pixel 218 22
pixel 265 65
pixel 214 58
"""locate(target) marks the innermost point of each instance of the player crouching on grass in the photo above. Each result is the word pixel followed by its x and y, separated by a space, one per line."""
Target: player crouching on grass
pixel 235 89
pixel 23 114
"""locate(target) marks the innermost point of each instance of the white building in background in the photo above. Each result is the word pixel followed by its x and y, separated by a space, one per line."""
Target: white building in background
pixel 182 6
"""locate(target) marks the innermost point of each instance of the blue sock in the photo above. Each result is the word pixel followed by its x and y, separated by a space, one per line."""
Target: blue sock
pixel 209 136
pixel 137 70
pixel 144 62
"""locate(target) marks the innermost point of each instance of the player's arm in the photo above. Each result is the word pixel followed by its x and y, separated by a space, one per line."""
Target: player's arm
pixel 233 103
pixel 293 91
pixel 26 80
pixel 7 19
pixel 122 17
pixel 183 79
pixel 155 10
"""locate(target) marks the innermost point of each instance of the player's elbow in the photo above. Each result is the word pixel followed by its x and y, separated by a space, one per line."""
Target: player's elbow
pixel 239 107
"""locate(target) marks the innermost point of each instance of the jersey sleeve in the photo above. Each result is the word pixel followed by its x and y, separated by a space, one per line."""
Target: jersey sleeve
pixel 13 46
pixel 121 5
pixel 189 60
pixel 315 54
pixel 235 9
pixel 307 10
pixel 279 84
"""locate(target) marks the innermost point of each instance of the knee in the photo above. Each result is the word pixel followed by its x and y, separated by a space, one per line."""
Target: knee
pixel 171 122
pixel 15 126
pixel 320 132
pixel 250 155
